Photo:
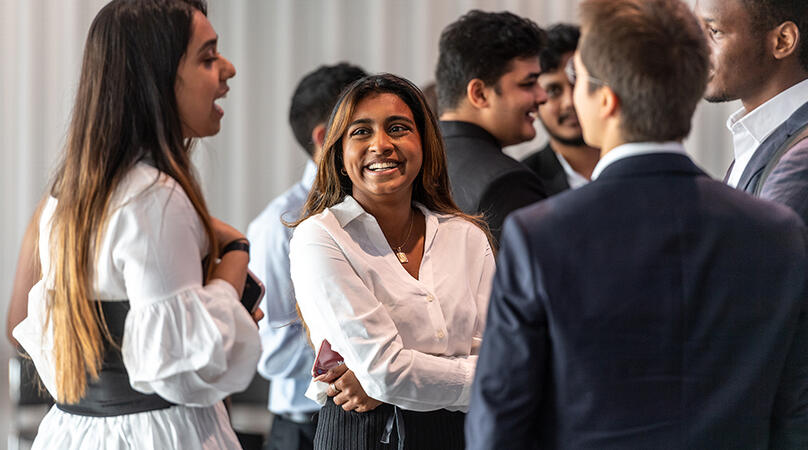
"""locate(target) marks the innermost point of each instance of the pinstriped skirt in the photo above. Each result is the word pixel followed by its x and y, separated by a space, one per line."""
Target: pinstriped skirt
pixel 338 429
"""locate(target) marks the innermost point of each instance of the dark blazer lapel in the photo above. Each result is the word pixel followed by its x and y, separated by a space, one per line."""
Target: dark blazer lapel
pixel 764 153
pixel 651 164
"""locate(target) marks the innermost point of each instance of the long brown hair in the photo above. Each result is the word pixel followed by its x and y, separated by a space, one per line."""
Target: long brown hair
pixel 431 186
pixel 125 111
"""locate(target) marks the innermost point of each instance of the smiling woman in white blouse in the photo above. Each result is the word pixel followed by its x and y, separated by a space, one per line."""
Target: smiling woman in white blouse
pixel 135 347
pixel 392 274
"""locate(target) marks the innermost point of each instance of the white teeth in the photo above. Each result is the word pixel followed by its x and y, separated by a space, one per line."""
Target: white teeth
pixel 382 165
pixel 533 115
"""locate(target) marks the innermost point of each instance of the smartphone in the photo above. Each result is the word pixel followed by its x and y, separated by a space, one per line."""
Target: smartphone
pixel 253 292
pixel 326 359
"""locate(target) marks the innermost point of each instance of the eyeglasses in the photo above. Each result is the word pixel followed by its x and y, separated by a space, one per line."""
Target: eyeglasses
pixel 572 76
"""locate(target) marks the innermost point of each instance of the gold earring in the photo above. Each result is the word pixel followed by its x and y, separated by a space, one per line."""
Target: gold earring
pixel 343 171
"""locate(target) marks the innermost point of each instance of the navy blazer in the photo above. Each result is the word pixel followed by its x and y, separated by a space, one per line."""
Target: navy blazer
pixel 788 182
pixel 653 308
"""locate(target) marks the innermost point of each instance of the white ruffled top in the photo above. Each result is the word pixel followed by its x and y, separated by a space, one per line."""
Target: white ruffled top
pixel 191 344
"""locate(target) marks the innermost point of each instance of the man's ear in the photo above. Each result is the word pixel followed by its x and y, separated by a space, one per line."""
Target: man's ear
pixel 784 39
pixel 318 135
pixel 476 94
pixel 609 102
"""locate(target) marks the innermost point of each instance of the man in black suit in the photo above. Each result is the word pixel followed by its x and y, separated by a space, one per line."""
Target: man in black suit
pixel 488 98
pixel 566 161
pixel 654 307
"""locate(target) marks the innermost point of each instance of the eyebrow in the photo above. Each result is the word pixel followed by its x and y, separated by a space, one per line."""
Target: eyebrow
pixel 402 118
pixel 208 44
pixel 533 76
pixel 387 120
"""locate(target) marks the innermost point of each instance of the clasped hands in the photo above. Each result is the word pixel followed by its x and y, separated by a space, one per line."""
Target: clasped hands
pixel 346 390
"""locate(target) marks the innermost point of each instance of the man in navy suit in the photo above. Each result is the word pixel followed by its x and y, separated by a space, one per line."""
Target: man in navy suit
pixel 654 307
pixel 760 56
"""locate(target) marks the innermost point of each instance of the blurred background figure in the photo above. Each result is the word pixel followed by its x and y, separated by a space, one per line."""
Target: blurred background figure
pixel 566 161
pixel 286 355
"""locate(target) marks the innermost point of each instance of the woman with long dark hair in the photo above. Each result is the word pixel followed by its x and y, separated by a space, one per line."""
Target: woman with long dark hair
pixel 135 347
pixel 391 274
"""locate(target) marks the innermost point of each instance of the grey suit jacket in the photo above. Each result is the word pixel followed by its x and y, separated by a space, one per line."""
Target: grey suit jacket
pixel 788 182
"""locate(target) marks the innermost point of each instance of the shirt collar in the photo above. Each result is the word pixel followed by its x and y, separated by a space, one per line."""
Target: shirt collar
pixel 574 179
pixel 309 174
pixel 349 209
pixel 763 120
pixel 635 149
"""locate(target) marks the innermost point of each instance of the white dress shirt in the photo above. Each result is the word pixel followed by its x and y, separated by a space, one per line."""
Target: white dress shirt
pixel 191 344
pixel 635 149
pixel 410 342
pixel 286 357
pixel 749 130
pixel 574 179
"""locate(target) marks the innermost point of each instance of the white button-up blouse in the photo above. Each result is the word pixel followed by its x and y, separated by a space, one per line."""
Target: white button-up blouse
pixel 410 342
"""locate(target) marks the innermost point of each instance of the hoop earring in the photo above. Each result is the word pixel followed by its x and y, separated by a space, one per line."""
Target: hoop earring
pixel 343 171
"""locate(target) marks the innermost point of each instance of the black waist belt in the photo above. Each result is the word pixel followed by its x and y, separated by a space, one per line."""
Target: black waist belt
pixel 111 394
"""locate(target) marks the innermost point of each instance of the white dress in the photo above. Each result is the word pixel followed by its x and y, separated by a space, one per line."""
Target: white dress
pixel 191 344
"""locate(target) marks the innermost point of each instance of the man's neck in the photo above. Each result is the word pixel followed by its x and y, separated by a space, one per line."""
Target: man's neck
pixel 582 158
pixel 776 86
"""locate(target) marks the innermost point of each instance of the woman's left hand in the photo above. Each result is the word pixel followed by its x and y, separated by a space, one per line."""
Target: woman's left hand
pixel 347 392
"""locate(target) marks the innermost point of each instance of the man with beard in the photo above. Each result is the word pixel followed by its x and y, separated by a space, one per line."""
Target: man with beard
pixel 566 161
pixel 488 98
pixel 760 56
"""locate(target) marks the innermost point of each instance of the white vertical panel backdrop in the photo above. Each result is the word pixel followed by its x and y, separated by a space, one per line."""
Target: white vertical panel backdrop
pixel 272 44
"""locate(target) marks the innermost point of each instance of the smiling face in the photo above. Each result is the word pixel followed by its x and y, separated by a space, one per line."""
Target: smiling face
pixel 558 113
pixel 740 65
pixel 381 149
pixel 514 102
pixel 201 79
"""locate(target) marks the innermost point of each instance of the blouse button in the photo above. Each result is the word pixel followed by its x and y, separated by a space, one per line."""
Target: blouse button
pixel 429 298
pixel 440 334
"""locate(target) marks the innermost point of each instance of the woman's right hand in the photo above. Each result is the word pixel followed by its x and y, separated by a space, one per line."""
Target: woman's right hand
pixel 344 387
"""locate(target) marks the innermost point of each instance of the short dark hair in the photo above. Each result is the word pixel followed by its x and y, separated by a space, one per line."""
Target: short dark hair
pixel 767 14
pixel 562 38
pixel 654 56
pixel 315 97
pixel 482 45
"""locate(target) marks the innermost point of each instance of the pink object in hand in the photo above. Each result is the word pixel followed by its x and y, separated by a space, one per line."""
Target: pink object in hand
pixel 326 359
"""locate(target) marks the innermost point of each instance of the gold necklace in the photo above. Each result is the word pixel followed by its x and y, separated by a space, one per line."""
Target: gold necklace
pixel 402 257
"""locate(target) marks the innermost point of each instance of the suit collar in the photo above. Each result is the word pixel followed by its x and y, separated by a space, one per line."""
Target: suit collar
pixel 767 149
pixel 651 164
pixel 634 149
pixel 455 128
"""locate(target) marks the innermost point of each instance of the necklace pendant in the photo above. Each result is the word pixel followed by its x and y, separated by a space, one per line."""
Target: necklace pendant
pixel 402 257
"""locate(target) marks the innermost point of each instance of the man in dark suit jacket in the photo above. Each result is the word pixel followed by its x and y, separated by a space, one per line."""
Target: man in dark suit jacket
pixel 654 307
pixel 488 97
pixel 566 161
pixel 765 65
